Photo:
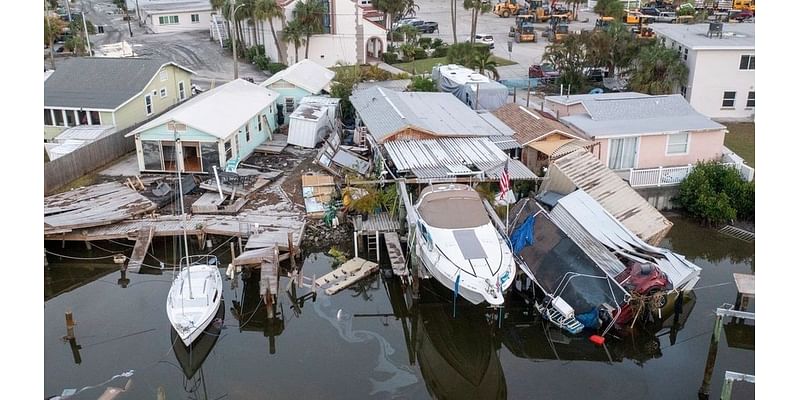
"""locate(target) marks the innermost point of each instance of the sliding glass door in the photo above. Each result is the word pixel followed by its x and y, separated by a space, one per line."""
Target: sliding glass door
pixel 623 152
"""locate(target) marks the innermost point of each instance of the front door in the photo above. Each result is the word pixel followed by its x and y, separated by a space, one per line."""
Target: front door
pixel 623 153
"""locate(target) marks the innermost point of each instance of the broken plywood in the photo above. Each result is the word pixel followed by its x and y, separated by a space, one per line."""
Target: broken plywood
pixel 349 273
pixel 94 205
pixel 317 192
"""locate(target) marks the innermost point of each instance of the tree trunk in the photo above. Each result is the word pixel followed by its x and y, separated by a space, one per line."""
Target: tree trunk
pixel 277 45
pixel 296 52
pixel 52 58
pixel 474 23
pixel 453 19
pixel 308 42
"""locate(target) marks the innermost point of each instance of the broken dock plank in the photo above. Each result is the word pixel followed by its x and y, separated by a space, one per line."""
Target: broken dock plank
pixel 256 256
pixel 395 250
pixel 143 240
pixel 268 279
pixel 349 273
pixel 92 206
pixel 274 146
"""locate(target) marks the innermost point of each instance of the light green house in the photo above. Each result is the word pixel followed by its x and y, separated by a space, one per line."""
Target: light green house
pixel 111 92
pixel 301 79
pixel 222 125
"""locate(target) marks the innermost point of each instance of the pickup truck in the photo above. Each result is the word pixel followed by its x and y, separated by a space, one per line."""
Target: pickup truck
pixel 666 16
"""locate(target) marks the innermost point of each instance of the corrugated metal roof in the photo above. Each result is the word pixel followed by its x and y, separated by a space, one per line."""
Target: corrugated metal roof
pixel 587 218
pixel 385 112
pixel 218 111
pixel 638 115
pixel 306 75
pixel 505 142
pixel 103 83
pixel 529 124
pixel 84 132
pixel 617 197
pixel 452 157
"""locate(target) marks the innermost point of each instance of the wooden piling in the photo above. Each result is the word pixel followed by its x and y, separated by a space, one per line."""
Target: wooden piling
pixel 712 357
pixel 291 250
pixel 45 258
pixel 233 252
pixel 88 245
pixel 70 322
pixel 75 347
pixel 241 247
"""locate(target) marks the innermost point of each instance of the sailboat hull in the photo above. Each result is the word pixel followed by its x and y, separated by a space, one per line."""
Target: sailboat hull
pixel 192 303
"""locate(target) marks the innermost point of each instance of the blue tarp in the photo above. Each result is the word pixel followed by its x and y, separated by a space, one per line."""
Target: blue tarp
pixel 523 235
pixel 589 319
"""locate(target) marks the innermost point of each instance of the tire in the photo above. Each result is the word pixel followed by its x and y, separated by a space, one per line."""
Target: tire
pixel 662 300
pixel 505 14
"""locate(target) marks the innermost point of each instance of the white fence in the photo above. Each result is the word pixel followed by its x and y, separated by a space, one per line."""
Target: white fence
pixel 669 176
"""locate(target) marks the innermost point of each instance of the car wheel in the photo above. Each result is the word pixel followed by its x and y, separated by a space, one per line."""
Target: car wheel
pixel 506 14
pixel 661 301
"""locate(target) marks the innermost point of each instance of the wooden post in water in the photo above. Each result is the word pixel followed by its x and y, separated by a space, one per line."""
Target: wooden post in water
pixel 712 358
pixel 233 252
pixel 291 250
pixel 70 325
pixel 241 248
pixel 276 260
pixel 88 245
pixel 45 257
pixel 355 244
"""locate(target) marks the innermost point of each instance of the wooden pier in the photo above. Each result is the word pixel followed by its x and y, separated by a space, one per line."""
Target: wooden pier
pixel 143 240
pixel 349 273
pixel 371 228
pixel 396 257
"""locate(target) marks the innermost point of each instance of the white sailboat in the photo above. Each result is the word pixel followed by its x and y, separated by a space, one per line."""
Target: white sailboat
pixel 196 290
pixel 460 247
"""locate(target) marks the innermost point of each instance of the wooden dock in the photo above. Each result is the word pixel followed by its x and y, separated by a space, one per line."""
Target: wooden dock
pixel 210 203
pixel 274 146
pixel 91 206
pixel 349 273
pixel 396 257
pixel 143 240
pixel 257 181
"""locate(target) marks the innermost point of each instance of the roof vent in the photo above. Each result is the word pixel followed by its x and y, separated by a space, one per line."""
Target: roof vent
pixel 714 29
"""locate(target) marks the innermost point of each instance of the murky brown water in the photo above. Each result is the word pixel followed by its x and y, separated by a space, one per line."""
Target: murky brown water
pixel 365 342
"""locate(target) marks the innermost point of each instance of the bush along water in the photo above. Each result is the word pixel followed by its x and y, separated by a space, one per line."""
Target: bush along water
pixel 715 194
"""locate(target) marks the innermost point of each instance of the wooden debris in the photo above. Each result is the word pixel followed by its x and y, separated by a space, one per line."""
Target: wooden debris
pixel 140 248
pixel 349 273
pixel 274 146
pixel 396 257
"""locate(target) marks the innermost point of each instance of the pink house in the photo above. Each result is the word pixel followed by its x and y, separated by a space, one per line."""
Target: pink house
pixel 638 131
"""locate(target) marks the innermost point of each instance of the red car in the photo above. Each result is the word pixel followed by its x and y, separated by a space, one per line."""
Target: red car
pixel 742 15
pixel 643 279
pixel 543 71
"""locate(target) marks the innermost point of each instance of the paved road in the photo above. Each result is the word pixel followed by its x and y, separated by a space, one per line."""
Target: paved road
pixel 523 53
pixel 192 49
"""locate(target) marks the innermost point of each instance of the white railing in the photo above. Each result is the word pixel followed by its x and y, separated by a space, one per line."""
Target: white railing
pixel 670 176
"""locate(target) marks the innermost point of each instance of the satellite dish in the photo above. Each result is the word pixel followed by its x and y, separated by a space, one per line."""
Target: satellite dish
pixel 596 91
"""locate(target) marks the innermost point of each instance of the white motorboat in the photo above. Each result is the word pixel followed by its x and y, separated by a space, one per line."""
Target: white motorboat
pixel 460 247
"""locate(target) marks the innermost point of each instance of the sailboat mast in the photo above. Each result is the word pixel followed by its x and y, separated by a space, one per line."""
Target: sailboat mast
pixel 183 212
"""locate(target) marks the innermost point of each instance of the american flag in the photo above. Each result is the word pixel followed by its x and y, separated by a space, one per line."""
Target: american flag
pixel 505 182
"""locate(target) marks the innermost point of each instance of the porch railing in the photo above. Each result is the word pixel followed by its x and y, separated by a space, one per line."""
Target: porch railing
pixel 669 176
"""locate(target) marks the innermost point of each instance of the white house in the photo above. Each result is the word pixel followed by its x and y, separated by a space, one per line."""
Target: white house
pixel 350 35
pixel 722 66
pixel 177 15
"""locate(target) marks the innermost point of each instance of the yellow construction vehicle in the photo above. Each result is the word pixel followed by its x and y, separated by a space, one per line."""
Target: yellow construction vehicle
pixel 745 5
pixel 523 29
pixel 508 8
pixel 642 31
pixel 634 17
pixel 558 30
pixel 603 23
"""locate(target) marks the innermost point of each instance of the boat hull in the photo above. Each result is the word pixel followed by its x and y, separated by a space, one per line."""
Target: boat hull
pixel 188 313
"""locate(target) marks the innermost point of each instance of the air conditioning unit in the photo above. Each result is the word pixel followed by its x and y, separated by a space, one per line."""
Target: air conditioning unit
pixel 715 29
pixel 562 307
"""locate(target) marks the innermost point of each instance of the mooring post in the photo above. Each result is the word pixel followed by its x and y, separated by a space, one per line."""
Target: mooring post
pixel 355 244
pixel 276 260
pixel 712 357
pixel 378 246
pixel 88 245
pixel 70 325
pixel 240 244
pixel 233 252
pixel 291 249
pixel 45 257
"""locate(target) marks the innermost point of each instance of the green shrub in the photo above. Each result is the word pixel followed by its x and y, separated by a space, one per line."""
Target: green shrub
pixel 422 84
pixel 420 54
pixel 715 194
pixel 440 52
pixel 253 52
pixel 275 67
pixel 425 42
pixel 261 62
pixel 397 36
pixel 390 58
pixel 437 43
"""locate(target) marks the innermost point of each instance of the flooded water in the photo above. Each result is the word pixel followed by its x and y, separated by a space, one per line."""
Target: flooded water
pixel 365 342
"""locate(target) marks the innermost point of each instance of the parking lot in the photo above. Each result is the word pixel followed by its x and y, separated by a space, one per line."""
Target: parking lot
pixel 524 54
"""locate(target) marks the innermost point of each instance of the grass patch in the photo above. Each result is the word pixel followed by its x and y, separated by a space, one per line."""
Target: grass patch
pixel 741 139
pixel 426 65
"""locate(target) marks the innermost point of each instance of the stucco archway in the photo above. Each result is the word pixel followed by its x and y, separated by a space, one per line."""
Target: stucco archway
pixel 374 47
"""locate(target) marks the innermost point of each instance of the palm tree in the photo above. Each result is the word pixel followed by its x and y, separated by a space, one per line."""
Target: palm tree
pixel 569 57
pixel 477 6
pixel 659 70
pixel 453 9
pixel 610 8
pixel 409 52
pixel 269 10
pixel 483 62
pixel 53 26
pixel 309 13
pixel 293 33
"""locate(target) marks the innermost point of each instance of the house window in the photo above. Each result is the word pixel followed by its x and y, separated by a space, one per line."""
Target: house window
pixel 751 99
pixel 58 117
pixel 683 91
pixel 195 18
pixel 326 16
pixel 247 132
pixel 747 62
pixel 623 152
pixel 728 99
pixel 70 114
pixel 163 92
pixel 48 117
pixel 181 90
pixel 259 123
pixel 148 104
pixel 685 54
pixel 162 75
pixel 678 143
pixel 288 104
pixel 82 118
pixel 228 150
pixel 95 116
pixel 151 155
pixel 168 20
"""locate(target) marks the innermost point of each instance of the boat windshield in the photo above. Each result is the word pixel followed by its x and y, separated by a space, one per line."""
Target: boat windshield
pixel 453 209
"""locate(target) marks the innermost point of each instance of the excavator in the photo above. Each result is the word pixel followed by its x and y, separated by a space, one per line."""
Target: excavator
pixel 508 8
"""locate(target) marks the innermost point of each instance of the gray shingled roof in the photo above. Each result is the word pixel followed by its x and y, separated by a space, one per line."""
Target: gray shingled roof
pixel 385 112
pixel 641 115
pixel 99 82
pixel 734 36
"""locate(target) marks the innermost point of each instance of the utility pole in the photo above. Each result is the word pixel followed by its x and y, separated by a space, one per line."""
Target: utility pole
pixel 128 17
pixel 69 13
pixel 138 14
pixel 86 32
pixel 233 41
